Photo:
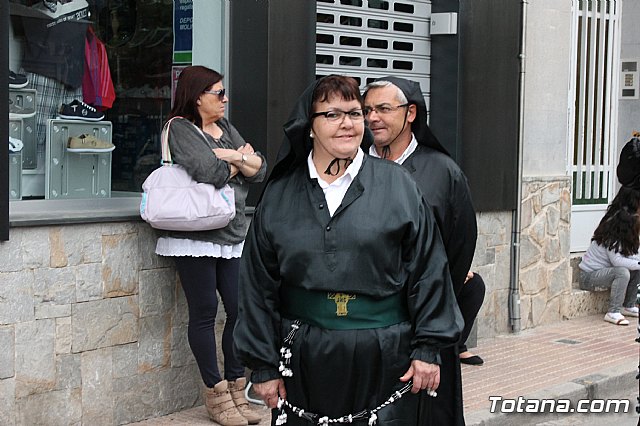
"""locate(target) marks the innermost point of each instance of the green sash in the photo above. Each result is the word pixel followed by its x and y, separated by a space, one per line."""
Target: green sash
pixel 342 311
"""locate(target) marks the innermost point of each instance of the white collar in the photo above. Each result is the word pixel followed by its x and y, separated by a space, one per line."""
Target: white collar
pixel 407 152
pixel 351 171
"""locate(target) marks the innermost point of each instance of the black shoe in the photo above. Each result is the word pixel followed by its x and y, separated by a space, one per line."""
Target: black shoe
pixel 78 110
pixel 17 81
pixel 472 360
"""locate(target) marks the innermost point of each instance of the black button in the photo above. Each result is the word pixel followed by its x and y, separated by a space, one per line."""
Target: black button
pixel 321 206
pixel 328 228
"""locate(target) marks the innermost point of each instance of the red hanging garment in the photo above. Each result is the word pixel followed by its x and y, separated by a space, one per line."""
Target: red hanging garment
pixel 97 86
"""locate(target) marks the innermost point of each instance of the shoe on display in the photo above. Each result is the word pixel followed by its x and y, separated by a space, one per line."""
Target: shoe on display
pixel 55 9
pixel 15 144
pixel 20 111
pixel 17 81
pixel 78 110
pixel 89 143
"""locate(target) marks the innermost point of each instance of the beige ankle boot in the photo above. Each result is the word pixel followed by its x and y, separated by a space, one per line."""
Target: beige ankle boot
pixel 237 394
pixel 220 406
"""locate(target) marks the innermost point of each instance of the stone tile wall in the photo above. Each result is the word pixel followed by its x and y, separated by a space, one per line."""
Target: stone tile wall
pixel 545 281
pixel 548 284
pixel 92 328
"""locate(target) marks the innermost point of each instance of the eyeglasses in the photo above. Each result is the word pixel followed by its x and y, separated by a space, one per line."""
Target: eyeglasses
pixel 337 116
pixel 220 93
pixel 383 109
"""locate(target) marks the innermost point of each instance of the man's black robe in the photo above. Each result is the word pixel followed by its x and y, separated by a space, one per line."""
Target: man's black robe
pixel 445 188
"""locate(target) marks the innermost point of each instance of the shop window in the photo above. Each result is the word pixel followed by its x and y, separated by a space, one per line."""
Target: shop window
pixel 350 41
pixel 352 61
pixel 325 18
pixel 357 3
pixel 403 8
pixel 377 63
pixel 378 4
pixel 88 134
pixel 402 65
pixel 401 45
pixel 403 26
pixel 324 38
pixel 375 43
pixel 378 23
pixel 324 59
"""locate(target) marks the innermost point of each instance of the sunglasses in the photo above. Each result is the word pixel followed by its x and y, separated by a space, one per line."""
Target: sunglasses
pixel 220 93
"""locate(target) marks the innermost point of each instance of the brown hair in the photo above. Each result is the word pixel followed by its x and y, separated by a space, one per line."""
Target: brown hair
pixel 337 85
pixel 193 81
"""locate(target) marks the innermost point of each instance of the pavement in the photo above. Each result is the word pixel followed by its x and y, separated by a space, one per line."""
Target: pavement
pixel 579 359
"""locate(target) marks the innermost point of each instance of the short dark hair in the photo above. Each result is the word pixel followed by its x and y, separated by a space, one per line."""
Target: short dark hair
pixel 192 82
pixel 337 85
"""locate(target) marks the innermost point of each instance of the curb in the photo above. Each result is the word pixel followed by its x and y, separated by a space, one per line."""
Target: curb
pixel 608 382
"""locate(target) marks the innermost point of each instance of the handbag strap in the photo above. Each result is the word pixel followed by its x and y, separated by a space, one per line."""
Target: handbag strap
pixel 164 141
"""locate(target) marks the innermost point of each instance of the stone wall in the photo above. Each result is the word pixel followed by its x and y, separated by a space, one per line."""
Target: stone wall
pixel 545 281
pixel 491 260
pixel 92 328
pixel 548 283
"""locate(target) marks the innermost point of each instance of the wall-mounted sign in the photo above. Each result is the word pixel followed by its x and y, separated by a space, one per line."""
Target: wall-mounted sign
pixel 182 31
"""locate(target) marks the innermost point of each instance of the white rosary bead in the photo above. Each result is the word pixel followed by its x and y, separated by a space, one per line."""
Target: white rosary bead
pixel 373 419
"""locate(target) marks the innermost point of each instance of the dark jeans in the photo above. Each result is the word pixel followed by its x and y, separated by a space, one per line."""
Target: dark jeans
pixel 469 301
pixel 200 278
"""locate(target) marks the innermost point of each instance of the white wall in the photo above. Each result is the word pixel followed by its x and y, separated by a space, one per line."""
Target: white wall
pixel 629 109
pixel 209 34
pixel 548 61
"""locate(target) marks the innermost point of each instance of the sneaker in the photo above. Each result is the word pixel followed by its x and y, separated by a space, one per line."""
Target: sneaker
pixel 632 312
pixel 616 318
pixel 55 9
pixel 51 5
pixel 89 143
pixel 78 110
pixel 17 81
pixel 20 110
pixel 15 144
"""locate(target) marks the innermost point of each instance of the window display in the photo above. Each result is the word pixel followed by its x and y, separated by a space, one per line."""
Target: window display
pixel 89 89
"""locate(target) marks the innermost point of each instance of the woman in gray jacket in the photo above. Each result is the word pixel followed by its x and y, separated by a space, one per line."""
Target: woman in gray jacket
pixel 212 151
pixel 612 259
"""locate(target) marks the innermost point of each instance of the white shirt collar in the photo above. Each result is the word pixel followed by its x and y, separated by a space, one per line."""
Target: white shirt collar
pixel 334 192
pixel 407 152
pixel 352 170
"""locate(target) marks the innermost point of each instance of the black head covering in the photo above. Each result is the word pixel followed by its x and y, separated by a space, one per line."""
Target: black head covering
pixel 419 127
pixel 628 169
pixel 297 142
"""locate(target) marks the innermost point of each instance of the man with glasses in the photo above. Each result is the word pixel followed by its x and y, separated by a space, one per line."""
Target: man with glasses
pixel 397 116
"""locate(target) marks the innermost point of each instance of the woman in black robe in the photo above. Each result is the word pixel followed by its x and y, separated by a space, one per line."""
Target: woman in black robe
pixel 345 294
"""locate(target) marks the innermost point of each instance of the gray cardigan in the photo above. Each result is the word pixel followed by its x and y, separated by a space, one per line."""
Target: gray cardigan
pixel 193 152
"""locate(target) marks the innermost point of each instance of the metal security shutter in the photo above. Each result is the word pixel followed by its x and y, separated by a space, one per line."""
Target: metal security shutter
pixel 367 39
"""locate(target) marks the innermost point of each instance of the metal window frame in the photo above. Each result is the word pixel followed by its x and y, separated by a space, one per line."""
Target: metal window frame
pixel 595 116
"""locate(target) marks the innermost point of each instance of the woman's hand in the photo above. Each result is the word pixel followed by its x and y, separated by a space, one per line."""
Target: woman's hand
pixel 424 375
pixel 246 149
pixel 228 155
pixel 269 392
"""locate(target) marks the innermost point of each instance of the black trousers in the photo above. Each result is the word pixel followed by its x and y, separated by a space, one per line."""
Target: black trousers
pixel 201 278
pixel 469 301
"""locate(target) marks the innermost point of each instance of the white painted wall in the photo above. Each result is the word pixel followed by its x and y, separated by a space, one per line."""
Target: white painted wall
pixel 629 109
pixel 548 63
pixel 209 34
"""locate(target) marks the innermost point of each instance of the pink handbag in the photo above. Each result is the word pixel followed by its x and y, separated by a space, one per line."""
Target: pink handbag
pixel 173 201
